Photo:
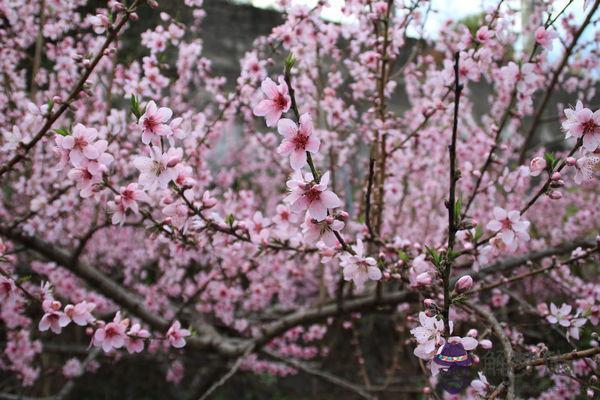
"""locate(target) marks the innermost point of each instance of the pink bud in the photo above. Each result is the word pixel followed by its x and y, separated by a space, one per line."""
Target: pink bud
pixel 429 303
pixel 571 161
pixel 556 176
pixel 463 284
pixel 134 16
pixel 555 195
pixel 152 3
pixel 343 215
pixel 472 333
pixel 485 344
pixel 537 165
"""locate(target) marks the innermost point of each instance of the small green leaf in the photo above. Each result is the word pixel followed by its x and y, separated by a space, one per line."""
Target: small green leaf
pixel 403 256
pixel 457 210
pixel 289 62
pixel 62 131
pixel 230 219
pixel 478 233
pixel 50 105
pixel 135 107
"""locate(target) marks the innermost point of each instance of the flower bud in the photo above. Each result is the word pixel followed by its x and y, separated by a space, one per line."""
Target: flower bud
pixel 152 3
pixel 472 333
pixel 555 195
pixel 343 216
pixel 463 284
pixel 571 161
pixel 555 176
pixel 134 17
pixel 485 344
pixel 537 165
pixel 429 303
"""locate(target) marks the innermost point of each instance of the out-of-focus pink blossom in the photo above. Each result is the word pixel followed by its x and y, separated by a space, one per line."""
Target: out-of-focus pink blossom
pixel 176 335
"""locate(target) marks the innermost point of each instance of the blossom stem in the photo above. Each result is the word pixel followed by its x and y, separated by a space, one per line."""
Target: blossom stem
pixel 452 215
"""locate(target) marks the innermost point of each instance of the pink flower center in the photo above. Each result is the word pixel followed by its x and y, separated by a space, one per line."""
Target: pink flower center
pixel 300 141
pixel 589 127
pixel 80 143
pixel 280 101
pixel 313 194
pixel 506 223
pixel 150 123
pixel 111 332
pixel 127 194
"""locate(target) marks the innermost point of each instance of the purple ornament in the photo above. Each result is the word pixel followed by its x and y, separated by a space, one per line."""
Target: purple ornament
pixel 453 354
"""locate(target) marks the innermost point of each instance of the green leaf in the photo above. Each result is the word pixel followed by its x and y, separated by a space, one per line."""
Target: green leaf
pixel 550 160
pixel 289 62
pixel 478 233
pixel 62 131
pixel 403 256
pixel 230 219
pixel 135 106
pixel 50 105
pixel 435 256
pixel 457 210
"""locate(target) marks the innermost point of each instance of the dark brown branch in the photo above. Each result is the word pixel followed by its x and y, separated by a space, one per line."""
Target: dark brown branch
pixel 336 380
pixel 452 217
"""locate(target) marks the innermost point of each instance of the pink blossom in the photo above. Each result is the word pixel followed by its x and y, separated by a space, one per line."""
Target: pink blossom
pixel 484 34
pixel 135 339
pixel 545 37
pixel 72 369
pixel 310 195
pixel 153 122
pixel 277 102
pixel 537 165
pixel 428 335
pixel 88 174
pixel 314 230
pixel 358 268
pixel 7 288
pixel 421 272
pixel 158 170
pixel 297 140
pixel 582 122
pixel 176 336
pixel 112 335
pixel 53 318
pixel 481 384
pixel 563 317
pixel 559 315
pixel 82 144
pixel 99 22
pixel 585 167
pixel 80 313
pixel 510 225
pixel 258 228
